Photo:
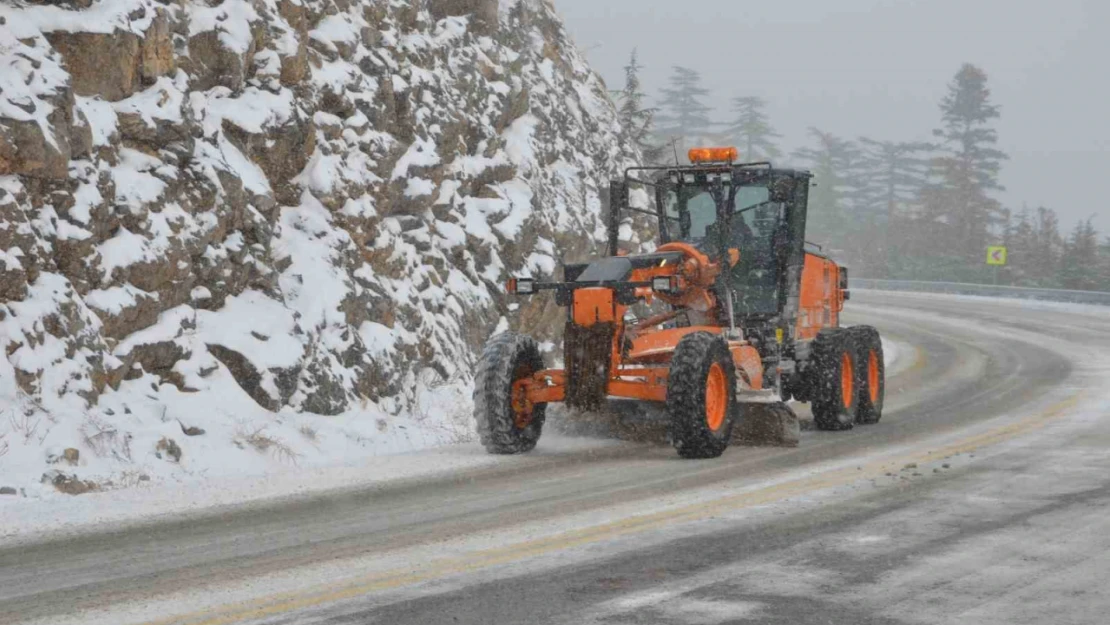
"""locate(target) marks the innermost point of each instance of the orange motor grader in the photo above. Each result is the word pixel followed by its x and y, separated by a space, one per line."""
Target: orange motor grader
pixel 744 315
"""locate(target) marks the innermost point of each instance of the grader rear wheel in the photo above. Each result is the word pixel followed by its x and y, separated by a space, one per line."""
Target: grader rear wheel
pixel 871 377
pixel 834 380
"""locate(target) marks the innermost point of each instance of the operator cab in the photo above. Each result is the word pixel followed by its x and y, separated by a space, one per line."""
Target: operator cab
pixel 752 222
pixel 718 206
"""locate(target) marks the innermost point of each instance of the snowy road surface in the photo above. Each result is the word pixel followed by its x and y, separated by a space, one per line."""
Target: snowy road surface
pixel 982 497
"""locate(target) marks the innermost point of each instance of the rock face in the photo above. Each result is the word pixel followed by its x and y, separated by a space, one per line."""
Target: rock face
pixel 316 198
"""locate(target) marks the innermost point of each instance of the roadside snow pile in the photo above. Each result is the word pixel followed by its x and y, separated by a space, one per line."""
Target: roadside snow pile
pixel 242 235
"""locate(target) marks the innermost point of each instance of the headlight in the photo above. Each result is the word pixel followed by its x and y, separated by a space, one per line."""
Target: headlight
pixel 521 286
pixel 664 284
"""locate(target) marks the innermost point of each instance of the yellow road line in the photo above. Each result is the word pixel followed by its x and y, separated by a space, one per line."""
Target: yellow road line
pixel 299 600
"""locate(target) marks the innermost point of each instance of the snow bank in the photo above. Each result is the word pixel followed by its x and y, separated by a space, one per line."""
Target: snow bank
pixel 257 237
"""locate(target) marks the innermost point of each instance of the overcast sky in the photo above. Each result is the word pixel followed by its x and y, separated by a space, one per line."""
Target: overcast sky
pixel 879 68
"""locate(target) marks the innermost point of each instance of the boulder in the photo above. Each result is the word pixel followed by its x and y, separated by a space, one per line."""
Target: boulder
pixel 245 374
pixel 483 13
pixel 13 279
pixel 26 150
pixel 294 67
pixel 156 56
pixel 282 153
pixel 100 64
pixel 68 483
pixel 212 63
pixel 125 320
pixel 169 447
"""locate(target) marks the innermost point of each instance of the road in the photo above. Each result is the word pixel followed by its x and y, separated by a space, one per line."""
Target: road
pixel 982 497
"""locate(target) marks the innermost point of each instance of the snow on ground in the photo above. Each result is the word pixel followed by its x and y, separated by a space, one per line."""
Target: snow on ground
pixel 1048 462
pixel 227 434
pixel 314 455
pixel 1094 310
pixel 897 356
pixel 39 518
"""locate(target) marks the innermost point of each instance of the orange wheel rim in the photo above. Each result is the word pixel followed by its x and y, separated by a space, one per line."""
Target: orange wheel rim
pixel 716 397
pixel 847 379
pixel 873 375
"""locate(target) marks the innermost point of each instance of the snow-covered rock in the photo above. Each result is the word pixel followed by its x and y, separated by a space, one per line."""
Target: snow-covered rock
pixel 240 216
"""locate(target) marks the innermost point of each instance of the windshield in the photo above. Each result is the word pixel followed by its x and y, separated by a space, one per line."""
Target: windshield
pixel 691 215
pixel 690 212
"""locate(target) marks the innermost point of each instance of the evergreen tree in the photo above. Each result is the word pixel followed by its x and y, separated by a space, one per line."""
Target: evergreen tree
pixel 967 170
pixel 1079 267
pixel 1047 247
pixel 833 200
pixel 896 172
pixel 1104 265
pixel 750 130
pixel 636 119
pixel 893 175
pixel 683 114
pixel 1021 240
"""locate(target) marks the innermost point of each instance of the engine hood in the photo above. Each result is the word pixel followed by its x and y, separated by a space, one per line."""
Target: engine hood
pixel 615 268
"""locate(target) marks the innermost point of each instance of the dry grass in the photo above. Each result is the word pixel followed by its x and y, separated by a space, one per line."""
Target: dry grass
pixel 105 440
pixel 454 424
pixel 263 443
pixel 125 479
pixel 24 425
pixel 453 433
pixel 3 444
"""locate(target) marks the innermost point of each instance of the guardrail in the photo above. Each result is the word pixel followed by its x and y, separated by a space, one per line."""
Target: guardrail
pixel 986 290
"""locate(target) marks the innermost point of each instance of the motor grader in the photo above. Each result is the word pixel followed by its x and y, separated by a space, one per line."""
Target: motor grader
pixel 743 314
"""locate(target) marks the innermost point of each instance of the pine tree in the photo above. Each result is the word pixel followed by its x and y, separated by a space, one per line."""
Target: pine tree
pixel 751 131
pixel 637 120
pixel 967 170
pixel 683 115
pixel 835 163
pixel 1104 265
pixel 1079 267
pixel 893 175
pixel 1047 248
pixel 896 172
pixel 1021 241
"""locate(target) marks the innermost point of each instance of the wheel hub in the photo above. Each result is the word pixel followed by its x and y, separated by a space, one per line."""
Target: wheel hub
pixel 716 397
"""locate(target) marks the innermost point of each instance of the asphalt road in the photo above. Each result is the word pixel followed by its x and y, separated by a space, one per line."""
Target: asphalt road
pixel 982 497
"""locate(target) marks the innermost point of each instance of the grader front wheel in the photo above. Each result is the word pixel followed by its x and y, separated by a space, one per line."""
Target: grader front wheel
pixel 507 422
pixel 701 396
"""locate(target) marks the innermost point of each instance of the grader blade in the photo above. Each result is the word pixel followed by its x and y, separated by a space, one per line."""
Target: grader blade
pixel 767 424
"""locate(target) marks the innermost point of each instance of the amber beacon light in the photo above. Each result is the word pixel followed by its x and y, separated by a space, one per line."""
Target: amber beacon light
pixel 713 155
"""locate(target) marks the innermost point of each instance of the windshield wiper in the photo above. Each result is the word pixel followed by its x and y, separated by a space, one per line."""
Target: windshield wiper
pixel 754 206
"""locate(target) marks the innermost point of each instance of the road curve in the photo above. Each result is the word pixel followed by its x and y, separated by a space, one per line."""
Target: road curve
pixel 631 534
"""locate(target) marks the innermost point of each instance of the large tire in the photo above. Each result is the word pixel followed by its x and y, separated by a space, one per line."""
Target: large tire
pixel 508 357
pixel 701 396
pixel 870 374
pixel 833 381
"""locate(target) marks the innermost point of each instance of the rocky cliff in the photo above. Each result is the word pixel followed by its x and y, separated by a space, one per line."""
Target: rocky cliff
pixel 231 215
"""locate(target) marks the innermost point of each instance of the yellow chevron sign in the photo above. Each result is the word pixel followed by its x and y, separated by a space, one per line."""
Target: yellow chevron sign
pixel 996 255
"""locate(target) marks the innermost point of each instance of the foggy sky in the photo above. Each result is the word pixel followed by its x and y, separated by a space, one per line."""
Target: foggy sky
pixel 879 68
